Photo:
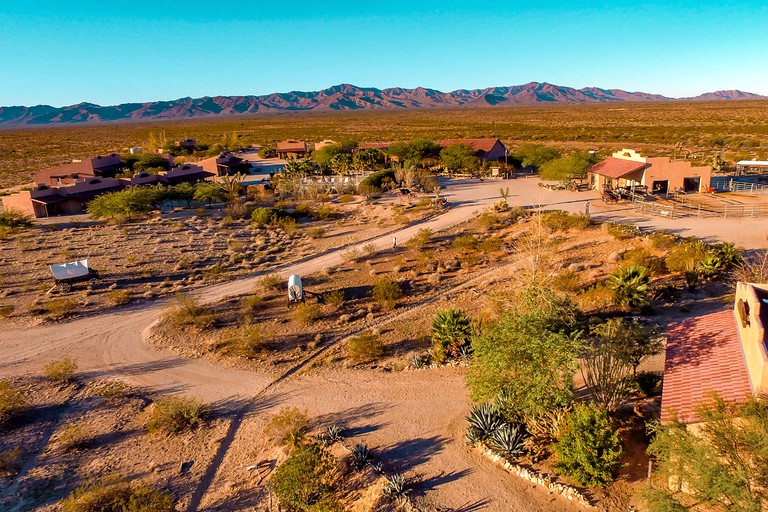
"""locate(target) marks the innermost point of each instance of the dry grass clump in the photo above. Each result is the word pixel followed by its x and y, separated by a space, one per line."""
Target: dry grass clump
pixel 74 437
pixel 271 282
pixel 289 423
pixel 10 461
pixel 595 299
pixel 622 231
pixel 307 313
pixel 252 303
pixel 365 347
pixel 11 401
pixel 175 415
pixel 56 309
pixel 386 292
pixel 119 297
pixel 111 391
pixel 334 298
pixel 560 220
pixel 188 313
pixel 61 370
pixel 245 341
pixel 115 494
pixel 567 281
pixel 662 241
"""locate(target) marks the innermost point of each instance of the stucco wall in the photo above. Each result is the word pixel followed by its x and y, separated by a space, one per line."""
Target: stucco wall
pixel 662 168
pixel 21 202
pixel 752 335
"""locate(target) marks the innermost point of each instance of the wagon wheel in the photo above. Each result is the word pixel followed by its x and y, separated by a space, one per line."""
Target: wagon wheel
pixel 65 287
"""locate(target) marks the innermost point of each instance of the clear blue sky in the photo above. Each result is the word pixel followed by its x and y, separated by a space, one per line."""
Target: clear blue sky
pixel 114 51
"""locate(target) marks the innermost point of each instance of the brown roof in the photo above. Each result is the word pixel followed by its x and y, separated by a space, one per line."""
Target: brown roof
pixel 476 144
pixel 617 167
pixel 291 146
pixel 186 172
pixel 73 170
pixel 704 356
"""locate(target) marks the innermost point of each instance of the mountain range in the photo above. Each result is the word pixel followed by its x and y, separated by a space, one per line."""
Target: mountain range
pixel 339 97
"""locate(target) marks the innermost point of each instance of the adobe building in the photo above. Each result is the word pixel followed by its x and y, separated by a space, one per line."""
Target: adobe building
pixel 99 167
pixel 627 168
pixel 723 353
pixel 291 148
pixel 487 150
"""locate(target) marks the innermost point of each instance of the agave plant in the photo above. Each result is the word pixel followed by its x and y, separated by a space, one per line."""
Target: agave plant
pixel 331 435
pixel 508 440
pixel 729 255
pixel 396 489
pixel 420 361
pixel 483 421
pixel 362 455
pixel 451 331
pixel 711 265
pixel 630 285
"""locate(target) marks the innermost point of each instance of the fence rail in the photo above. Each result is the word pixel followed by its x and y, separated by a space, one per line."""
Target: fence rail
pixel 689 209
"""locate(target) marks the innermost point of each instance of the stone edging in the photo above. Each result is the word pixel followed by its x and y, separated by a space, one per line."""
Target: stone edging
pixel 532 476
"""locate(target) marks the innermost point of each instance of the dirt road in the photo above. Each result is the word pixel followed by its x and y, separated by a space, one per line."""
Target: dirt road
pixel 416 417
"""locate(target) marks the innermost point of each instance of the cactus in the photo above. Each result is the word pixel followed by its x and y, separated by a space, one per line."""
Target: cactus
pixel 483 421
pixel 396 489
pixel 508 440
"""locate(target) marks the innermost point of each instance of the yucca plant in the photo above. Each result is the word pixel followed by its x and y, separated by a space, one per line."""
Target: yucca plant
pixel 508 441
pixel 630 285
pixel 451 331
pixel 396 489
pixel 361 455
pixel 330 435
pixel 483 421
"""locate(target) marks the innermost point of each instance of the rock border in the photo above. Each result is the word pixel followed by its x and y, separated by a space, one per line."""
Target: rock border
pixel 532 476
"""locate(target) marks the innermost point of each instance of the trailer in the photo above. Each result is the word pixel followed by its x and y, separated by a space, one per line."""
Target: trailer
pixel 66 274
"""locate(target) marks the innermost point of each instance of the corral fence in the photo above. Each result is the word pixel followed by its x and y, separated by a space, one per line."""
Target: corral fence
pixel 726 184
pixel 682 207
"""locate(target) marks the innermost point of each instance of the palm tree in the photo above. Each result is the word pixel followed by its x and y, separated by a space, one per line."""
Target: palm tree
pixel 451 333
pixel 630 285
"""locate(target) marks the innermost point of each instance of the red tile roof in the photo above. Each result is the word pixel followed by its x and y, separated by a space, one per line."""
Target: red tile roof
pixel 617 167
pixel 476 144
pixel 704 355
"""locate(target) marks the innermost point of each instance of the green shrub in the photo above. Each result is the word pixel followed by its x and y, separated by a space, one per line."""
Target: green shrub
pixel 252 303
pixel 386 292
pixel 272 282
pixel 12 401
pixel 488 221
pixel 640 257
pixel 175 415
pixel 119 297
pixel 324 212
pixel 61 370
pixel 365 347
pixel 57 309
pixel 464 242
pixel 245 341
pixel 560 220
pixel 263 216
pixel 421 238
pixel 307 313
pixel 451 334
pixel 567 281
pixel 378 181
pixel 588 450
pixel 687 256
pixel 662 241
pixel 188 313
pixel 490 244
pixel 622 231
pixel 14 221
pixel 306 481
pixel 6 311
pixel 117 495
pixel 334 298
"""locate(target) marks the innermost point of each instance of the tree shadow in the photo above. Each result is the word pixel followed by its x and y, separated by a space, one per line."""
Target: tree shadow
pixel 412 453
pixel 356 421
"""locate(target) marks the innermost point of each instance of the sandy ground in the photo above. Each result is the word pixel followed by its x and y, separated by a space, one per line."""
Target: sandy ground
pixel 416 422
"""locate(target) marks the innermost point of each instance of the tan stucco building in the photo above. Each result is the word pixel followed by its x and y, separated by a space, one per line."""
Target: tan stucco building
pixel 627 167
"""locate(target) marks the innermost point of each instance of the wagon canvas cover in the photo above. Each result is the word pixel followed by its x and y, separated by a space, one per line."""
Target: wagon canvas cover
pixel 71 270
